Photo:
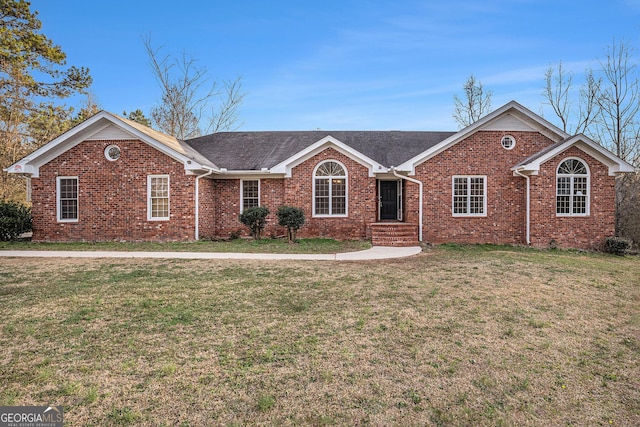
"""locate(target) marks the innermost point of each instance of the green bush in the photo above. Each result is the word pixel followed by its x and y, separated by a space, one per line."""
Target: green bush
pixel 292 218
pixel 255 219
pixel 15 219
pixel 617 245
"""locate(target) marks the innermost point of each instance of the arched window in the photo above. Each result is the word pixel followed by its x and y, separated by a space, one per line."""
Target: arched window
pixel 330 189
pixel 572 188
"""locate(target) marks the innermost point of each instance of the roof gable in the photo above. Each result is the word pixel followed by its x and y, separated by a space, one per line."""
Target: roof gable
pixel 111 132
pixel 288 164
pixel 531 165
pixel 279 152
pixel 510 117
pixel 105 125
pixel 509 122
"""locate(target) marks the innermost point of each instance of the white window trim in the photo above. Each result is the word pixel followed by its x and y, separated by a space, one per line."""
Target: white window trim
pixel 572 176
pixel 108 148
pixel 242 181
pixel 58 200
pixel 484 199
pixel 512 139
pixel 346 191
pixel 149 211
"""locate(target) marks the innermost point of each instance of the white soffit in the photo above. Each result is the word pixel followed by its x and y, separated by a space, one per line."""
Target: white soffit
pixel 111 132
pixel 508 123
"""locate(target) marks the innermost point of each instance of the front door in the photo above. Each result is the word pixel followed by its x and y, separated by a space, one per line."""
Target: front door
pixel 390 203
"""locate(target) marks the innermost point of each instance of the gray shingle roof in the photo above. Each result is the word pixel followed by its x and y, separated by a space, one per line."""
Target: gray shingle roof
pixel 257 150
pixel 541 153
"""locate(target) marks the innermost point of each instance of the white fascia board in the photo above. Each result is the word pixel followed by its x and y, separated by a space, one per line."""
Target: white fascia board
pixel 247 174
pixel 546 128
pixel 595 150
pixel 189 163
pixel 32 162
pixel 287 165
pixel 200 171
pixel 22 168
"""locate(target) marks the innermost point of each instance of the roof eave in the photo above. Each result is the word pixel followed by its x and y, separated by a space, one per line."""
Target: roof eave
pixel 548 129
pixel 285 167
pixel 31 163
pixel 614 164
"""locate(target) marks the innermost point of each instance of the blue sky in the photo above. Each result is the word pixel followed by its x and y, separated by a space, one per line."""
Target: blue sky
pixel 347 65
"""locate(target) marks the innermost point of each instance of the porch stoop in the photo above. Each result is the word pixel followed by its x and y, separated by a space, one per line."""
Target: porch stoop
pixel 394 234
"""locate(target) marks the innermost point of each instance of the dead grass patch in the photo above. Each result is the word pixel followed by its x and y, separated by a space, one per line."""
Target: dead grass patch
pixel 459 336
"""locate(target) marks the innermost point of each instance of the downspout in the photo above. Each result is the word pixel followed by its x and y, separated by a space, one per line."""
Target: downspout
pixel 528 214
pixel 197 236
pixel 395 173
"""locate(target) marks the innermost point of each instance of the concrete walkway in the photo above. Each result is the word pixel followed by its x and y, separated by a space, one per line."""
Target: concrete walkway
pixel 376 252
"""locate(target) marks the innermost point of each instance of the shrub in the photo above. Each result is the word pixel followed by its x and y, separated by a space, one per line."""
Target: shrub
pixel 617 245
pixel 292 218
pixel 255 219
pixel 15 219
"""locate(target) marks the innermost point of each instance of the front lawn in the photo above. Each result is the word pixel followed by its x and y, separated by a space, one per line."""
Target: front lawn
pixel 302 246
pixel 456 336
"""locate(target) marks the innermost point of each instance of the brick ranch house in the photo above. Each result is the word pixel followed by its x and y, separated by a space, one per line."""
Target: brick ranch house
pixel 510 178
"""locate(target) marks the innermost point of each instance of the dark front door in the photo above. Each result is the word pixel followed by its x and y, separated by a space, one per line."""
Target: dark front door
pixel 388 200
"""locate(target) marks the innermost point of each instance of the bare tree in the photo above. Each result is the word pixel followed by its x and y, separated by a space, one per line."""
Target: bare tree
pixel 187 93
pixel 90 106
pixel 476 102
pixel 617 127
pixel 608 110
pixel 617 124
pixel 224 117
pixel 558 92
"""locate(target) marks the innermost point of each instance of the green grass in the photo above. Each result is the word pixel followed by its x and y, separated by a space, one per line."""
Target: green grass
pixel 311 246
pixel 457 336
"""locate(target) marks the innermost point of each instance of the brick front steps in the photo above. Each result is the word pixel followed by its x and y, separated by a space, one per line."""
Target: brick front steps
pixel 394 234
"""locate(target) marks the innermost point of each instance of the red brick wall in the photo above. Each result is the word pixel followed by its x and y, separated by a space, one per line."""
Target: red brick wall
pixel 362 206
pixel 227 207
pixel 272 197
pixel 587 232
pixel 207 201
pixel 227 196
pixel 113 195
pixel 297 191
pixel 480 154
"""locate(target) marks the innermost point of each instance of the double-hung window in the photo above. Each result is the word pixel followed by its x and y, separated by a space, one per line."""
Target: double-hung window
pixel 67 203
pixel 249 194
pixel 572 188
pixel 157 197
pixel 330 189
pixel 469 196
